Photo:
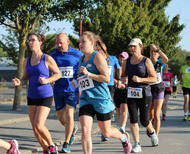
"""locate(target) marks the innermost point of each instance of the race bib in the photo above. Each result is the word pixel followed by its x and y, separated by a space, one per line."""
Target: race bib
pixel 66 72
pixel 187 70
pixel 166 84
pixel 134 92
pixel 158 78
pixel 85 83
pixel 109 69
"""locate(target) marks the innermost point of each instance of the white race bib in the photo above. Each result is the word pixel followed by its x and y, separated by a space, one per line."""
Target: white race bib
pixel 85 83
pixel 166 84
pixel 66 72
pixel 187 70
pixel 158 78
pixel 109 69
pixel 134 92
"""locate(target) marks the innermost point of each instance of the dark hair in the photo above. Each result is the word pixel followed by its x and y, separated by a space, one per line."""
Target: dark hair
pixel 40 37
pixel 188 58
pixel 100 45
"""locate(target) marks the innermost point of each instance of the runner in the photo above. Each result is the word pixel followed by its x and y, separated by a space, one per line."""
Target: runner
pixel 95 98
pixel 113 65
pixel 185 82
pixel 157 88
pixel 40 93
pixel 167 80
pixel 65 95
pixel 174 84
pixel 140 72
pixel 120 96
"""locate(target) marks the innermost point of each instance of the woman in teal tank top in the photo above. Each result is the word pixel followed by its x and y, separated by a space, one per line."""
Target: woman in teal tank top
pixel 95 98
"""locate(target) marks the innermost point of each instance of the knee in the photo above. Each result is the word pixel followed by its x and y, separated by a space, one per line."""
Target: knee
pixel 144 123
pixel 38 127
pixel 85 131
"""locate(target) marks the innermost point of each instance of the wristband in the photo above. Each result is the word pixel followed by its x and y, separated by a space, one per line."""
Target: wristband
pixel 88 74
pixel 157 50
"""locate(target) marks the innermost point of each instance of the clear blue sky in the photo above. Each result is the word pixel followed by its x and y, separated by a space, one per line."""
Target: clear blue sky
pixel 175 7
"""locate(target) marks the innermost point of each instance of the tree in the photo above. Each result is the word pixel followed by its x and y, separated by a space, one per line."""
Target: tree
pixel 22 16
pixel 118 21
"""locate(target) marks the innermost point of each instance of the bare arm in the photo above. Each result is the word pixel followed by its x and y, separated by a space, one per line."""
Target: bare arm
pixel 151 74
pixel 161 54
pixel 102 67
pixel 52 66
pixel 23 81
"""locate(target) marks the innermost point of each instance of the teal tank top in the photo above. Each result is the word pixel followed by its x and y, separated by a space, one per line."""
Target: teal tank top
pixel 100 89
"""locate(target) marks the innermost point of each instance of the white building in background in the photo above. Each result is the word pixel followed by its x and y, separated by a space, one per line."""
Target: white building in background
pixel 7 71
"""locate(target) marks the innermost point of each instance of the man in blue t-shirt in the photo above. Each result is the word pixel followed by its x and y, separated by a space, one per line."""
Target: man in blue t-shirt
pixel 65 95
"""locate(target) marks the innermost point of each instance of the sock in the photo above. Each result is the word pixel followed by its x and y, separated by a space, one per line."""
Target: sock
pixel 10 147
pixel 122 128
pixel 124 138
pixel 185 114
pixel 51 146
pixel 189 114
pixel 137 143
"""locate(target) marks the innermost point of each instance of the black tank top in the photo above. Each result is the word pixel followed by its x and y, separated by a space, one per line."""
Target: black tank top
pixel 139 70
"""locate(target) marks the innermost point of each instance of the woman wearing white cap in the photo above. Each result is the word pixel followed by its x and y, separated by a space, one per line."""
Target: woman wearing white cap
pixel 140 72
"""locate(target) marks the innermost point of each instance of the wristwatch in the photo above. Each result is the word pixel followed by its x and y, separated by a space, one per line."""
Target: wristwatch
pixel 157 50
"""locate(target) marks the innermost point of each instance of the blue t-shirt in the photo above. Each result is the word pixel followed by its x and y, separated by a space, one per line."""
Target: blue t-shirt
pixel 113 64
pixel 68 66
pixel 36 90
pixel 100 89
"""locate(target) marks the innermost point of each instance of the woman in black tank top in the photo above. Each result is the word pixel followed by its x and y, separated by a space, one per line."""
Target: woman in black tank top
pixel 140 72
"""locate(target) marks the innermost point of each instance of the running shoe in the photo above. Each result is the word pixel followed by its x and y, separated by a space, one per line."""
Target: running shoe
pixel 14 148
pixel 185 118
pixel 104 139
pixel 154 139
pixel 53 149
pixel 136 148
pixel 188 118
pixel 72 139
pixel 46 152
pixel 65 148
pixel 164 117
pixel 126 144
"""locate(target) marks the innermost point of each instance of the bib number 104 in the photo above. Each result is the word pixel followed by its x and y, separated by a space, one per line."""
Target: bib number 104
pixel 134 93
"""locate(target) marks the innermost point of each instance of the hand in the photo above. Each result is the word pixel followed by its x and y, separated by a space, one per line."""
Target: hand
pixel 118 85
pixel 16 82
pixel 136 79
pixel 153 47
pixel 43 80
pixel 83 70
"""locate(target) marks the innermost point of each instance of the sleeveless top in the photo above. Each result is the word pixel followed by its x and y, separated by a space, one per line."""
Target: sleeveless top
pixel 36 90
pixel 139 70
pixel 100 89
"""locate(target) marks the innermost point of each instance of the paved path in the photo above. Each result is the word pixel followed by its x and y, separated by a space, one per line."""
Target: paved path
pixel 174 134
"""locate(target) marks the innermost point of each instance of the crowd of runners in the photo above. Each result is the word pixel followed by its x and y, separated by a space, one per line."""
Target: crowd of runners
pixel 101 84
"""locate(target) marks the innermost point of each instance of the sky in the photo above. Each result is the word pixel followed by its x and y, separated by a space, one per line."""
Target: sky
pixel 175 7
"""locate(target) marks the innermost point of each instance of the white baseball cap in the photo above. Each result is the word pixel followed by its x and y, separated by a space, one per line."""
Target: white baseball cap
pixel 135 41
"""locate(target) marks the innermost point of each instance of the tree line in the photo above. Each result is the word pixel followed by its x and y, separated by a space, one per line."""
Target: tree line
pixel 116 21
